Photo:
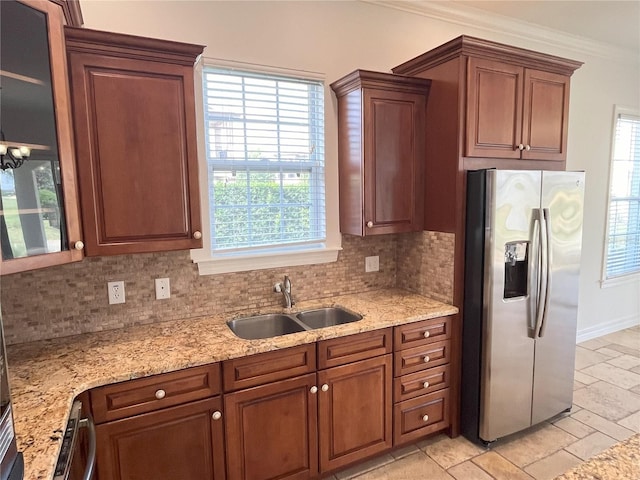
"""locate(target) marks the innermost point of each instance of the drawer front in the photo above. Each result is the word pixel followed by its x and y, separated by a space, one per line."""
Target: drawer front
pixel 343 350
pixel 421 358
pixel 415 418
pixel 422 333
pixel 147 394
pixel 420 383
pixel 268 367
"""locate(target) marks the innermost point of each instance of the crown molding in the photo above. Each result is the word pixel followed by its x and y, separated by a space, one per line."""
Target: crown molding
pixel 481 20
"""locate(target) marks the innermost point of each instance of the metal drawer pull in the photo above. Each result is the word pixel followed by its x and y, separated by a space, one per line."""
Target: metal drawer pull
pixel 426 359
pixel 197 235
pixel 216 415
pixel 314 389
pixel 425 418
pixel 425 384
pixel 427 334
pixel 160 394
pixel 325 387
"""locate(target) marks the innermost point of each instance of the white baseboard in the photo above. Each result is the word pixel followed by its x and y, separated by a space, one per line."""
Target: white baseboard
pixel 607 327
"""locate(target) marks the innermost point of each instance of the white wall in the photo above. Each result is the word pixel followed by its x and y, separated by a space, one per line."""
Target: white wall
pixel 335 38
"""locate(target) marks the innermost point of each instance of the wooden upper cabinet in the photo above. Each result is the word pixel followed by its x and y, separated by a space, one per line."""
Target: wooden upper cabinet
pixel 495 106
pixel 545 115
pixel 381 142
pixel 516 112
pixel 134 119
pixel 39 212
pixel 494 109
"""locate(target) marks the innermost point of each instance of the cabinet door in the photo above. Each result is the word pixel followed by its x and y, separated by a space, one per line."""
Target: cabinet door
pixel 183 442
pixel 494 109
pixel 137 161
pixel 545 115
pixel 39 214
pixel 354 411
pixel 271 431
pixel 394 157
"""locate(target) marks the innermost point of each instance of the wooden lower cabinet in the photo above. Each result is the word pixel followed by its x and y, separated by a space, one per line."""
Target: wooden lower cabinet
pixel 183 442
pixel 420 416
pixel 354 411
pixel 272 431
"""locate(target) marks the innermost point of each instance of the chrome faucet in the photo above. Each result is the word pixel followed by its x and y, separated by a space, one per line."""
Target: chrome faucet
pixel 285 289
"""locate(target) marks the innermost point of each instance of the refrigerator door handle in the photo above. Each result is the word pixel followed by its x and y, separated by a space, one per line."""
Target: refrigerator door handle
pixel 534 273
pixel 542 273
pixel 547 270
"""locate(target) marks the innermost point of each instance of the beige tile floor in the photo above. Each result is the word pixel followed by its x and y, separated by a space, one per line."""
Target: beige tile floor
pixel 606 410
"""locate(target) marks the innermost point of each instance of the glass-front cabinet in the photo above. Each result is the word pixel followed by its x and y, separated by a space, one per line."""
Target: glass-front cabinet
pixel 39 217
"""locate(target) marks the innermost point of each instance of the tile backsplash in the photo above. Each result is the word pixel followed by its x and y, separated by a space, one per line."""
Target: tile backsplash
pixel 425 264
pixel 72 299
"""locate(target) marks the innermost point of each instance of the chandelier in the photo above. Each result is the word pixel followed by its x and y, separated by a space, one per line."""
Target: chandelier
pixel 12 156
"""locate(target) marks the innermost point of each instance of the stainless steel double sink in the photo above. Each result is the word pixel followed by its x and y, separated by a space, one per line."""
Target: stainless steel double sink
pixel 275 324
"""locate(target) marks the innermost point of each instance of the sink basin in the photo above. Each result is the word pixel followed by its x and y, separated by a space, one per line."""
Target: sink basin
pixel 275 324
pixel 327 317
pixel 264 326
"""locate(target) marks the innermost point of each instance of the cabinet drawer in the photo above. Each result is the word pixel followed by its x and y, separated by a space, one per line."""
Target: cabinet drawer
pixel 343 350
pixel 147 394
pixel 422 333
pixel 416 384
pixel 420 416
pixel 421 358
pixel 268 367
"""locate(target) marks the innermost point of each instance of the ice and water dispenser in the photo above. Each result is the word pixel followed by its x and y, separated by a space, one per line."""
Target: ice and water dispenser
pixel 516 269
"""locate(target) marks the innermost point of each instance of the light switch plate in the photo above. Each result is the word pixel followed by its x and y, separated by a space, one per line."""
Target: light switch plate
pixel 372 264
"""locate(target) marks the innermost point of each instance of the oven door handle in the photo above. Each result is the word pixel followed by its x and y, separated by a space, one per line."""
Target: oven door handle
pixel 91 455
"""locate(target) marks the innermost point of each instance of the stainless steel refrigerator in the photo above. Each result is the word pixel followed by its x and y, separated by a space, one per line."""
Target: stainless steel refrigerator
pixel 522 263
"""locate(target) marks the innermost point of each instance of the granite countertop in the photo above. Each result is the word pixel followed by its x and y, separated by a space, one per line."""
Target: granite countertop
pixel 621 461
pixel 47 375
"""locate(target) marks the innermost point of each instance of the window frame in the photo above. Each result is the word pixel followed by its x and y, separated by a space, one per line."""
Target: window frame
pixel 257 258
pixel 630 277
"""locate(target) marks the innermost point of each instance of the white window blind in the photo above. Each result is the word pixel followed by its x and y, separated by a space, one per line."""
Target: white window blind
pixel 265 159
pixel 623 236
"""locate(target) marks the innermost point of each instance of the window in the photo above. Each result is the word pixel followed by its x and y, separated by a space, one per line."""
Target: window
pixel 623 235
pixel 264 137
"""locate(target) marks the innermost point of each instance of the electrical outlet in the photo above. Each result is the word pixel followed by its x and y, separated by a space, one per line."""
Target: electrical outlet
pixel 116 292
pixel 163 289
pixel 372 264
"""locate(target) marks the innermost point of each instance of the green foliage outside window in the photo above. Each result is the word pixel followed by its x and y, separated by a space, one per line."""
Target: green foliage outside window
pixel 256 214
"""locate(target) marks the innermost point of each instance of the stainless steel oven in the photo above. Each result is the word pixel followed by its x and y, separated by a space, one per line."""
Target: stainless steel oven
pixel 11 463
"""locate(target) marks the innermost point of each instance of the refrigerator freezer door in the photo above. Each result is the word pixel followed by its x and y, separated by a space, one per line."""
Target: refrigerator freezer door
pixel 562 201
pixel 508 355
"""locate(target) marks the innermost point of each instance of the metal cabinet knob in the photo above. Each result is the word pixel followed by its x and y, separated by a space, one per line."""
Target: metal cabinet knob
pixel 216 415
pixel 427 334
pixel 325 387
pixel 314 389
pixel 425 418
pixel 160 394
pixel 520 146
pixel 369 224
pixel 426 359
pixel 425 384
pixel 197 235
pixel 79 245
pixel 527 147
